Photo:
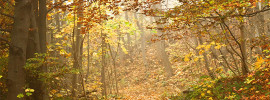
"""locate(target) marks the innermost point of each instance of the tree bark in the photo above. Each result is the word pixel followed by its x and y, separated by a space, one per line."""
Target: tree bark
pixel 103 63
pixel 42 28
pixel 33 46
pixel 244 67
pixel 17 51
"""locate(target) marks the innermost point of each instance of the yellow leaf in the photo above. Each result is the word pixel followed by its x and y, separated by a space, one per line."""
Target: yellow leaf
pixel 212 43
pixel 26 90
pixel 201 52
pixel 186 58
pixel 203 94
pixel 196 59
pixel 253 88
pixel 259 62
pixel 31 90
pixel 218 47
pixel 207 47
pixel 53 91
pixel 211 68
pixel 59 95
pixel 124 49
pixel 209 92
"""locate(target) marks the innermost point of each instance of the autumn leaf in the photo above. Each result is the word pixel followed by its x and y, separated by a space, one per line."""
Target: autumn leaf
pixel 218 47
pixel 186 59
pixel 259 62
pixel 202 94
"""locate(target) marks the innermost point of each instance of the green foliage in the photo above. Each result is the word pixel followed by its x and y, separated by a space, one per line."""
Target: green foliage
pixel 55 75
pixel 28 92
pixel 253 86
pixel 20 95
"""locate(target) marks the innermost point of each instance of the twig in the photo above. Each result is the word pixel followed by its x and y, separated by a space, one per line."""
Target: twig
pixel 229 42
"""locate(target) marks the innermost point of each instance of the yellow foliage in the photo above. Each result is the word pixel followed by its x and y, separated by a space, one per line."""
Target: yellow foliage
pixel 200 46
pixel 196 59
pixel 186 58
pixel 201 52
pixel 124 49
pixel 29 90
pixel 259 62
pixel 218 47
pixel 59 95
pixel 207 47
pixel 202 94
pixel 253 88
pixel 53 91
pixel 209 92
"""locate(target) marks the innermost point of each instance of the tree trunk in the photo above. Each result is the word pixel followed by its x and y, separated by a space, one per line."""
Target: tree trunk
pixel 103 63
pixel 207 67
pixel 142 40
pixel 128 44
pixel 42 28
pixel 17 51
pixel 33 47
pixel 244 67
pixel 162 53
pixel 77 50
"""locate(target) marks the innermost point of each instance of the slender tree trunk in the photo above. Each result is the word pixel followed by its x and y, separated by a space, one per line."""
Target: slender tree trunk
pixel 42 28
pixel 128 43
pixel 17 51
pixel 114 67
pixel 77 50
pixel 207 67
pixel 245 69
pixel 142 40
pixel 162 53
pixel 88 57
pixel 103 63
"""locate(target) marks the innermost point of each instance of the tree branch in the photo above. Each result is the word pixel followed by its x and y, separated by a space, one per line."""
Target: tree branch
pixel 10 16
pixel 3 39
pixel 5 30
pixel 222 27
pixel 56 6
pixel 241 15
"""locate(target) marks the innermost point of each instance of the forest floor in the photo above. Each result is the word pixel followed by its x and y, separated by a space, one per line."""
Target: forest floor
pixel 148 83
